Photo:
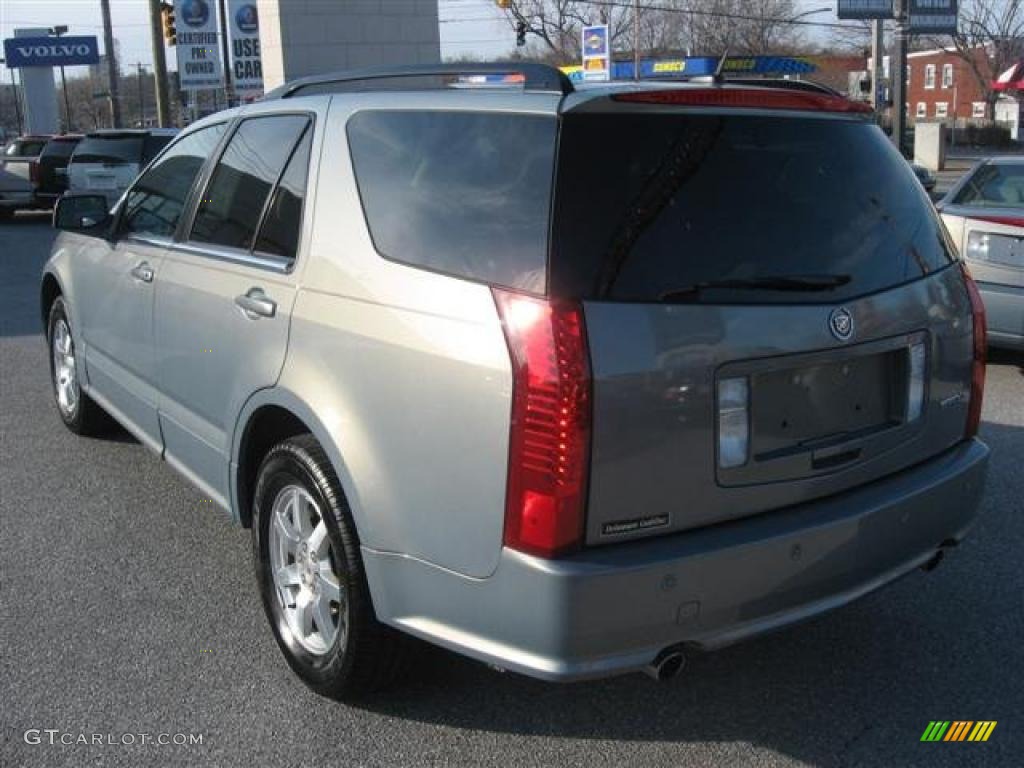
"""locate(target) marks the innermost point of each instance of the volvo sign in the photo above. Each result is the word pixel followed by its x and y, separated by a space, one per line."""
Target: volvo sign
pixel 51 51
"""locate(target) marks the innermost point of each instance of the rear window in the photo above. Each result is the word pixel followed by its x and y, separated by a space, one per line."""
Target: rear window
pixel 62 148
pixel 711 208
pixel 466 194
pixel 100 149
pixel 1000 186
pixel 152 145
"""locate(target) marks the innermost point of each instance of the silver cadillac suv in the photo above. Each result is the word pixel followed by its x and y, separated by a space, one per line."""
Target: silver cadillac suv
pixel 568 381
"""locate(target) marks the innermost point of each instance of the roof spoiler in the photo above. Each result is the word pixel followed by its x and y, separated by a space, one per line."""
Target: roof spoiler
pixel 535 77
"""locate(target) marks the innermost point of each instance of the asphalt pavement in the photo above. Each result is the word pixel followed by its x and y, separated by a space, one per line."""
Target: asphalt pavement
pixel 128 606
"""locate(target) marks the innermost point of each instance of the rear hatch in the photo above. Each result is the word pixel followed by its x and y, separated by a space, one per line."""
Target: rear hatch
pixel 771 307
pixel 106 163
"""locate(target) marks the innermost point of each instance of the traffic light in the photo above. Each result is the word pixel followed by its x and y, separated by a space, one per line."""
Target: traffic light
pixel 167 22
pixel 521 34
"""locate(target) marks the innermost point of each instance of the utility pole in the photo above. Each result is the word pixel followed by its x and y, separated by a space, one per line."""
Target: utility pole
pixel 112 73
pixel 636 40
pixel 229 84
pixel 898 73
pixel 163 114
pixel 877 51
pixel 57 32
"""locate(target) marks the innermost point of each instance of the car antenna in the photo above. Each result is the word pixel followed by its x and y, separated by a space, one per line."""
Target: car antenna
pixel 718 78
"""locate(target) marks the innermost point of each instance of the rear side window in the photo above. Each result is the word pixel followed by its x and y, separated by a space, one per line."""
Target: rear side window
pixel 690 207
pixel 233 202
pixel 103 149
pixel 995 185
pixel 467 194
pixel 154 204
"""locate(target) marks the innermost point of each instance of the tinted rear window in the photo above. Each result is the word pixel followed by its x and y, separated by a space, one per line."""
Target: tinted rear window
pixel 62 148
pixel 649 205
pixel 97 149
pixel 1000 186
pixel 152 145
pixel 467 194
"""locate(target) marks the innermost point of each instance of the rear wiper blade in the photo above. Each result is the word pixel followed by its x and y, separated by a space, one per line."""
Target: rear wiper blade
pixel 796 283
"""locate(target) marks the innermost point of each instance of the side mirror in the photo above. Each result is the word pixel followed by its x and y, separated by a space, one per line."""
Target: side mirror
pixel 87 214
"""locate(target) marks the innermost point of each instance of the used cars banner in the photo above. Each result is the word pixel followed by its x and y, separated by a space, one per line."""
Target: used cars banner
pixel 244 33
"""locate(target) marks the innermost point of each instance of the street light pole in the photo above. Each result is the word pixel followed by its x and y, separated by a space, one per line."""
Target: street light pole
pixel 142 102
pixel 898 70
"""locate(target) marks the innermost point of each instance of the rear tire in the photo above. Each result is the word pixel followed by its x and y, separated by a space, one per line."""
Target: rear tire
pixel 311 578
pixel 77 410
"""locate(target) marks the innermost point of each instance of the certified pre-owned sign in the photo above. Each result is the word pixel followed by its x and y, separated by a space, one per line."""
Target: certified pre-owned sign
pixel 50 51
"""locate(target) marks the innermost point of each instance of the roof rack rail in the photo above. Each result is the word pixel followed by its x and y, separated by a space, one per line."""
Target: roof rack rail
pixel 536 77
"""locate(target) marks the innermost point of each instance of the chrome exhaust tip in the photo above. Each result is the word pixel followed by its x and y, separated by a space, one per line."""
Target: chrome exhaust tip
pixel 668 664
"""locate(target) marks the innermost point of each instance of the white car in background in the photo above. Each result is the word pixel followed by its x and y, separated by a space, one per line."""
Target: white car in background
pixel 984 213
pixel 107 162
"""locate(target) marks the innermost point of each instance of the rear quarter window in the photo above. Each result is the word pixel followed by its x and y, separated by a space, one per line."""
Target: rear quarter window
pixel 649 205
pixel 101 149
pixel 462 193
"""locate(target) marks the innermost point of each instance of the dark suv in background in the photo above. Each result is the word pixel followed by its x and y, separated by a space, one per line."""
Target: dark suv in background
pixel 50 171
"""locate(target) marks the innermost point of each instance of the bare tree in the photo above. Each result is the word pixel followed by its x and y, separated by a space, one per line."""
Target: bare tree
pixel 989 41
pixel 700 27
pixel 555 24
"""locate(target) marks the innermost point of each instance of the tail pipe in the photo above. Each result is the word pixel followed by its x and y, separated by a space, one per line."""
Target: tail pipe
pixel 933 563
pixel 666 665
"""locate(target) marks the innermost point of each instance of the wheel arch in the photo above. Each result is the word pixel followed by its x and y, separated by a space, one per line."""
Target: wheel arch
pixel 49 289
pixel 269 416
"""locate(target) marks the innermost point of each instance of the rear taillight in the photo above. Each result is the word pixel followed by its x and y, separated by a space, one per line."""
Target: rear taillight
pixel 980 354
pixel 33 171
pixel 754 98
pixel 549 439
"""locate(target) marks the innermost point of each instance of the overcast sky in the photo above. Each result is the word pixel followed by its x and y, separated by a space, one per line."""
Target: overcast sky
pixel 474 27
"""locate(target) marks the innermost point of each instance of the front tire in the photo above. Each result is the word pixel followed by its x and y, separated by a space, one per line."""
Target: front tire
pixel 311 578
pixel 77 410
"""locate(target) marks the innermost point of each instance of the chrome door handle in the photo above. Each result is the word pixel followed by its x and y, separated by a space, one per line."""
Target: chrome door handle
pixel 255 303
pixel 143 272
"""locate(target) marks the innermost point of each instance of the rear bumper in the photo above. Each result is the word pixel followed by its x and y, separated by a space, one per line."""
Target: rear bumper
pixel 611 610
pixel 17 199
pixel 1004 311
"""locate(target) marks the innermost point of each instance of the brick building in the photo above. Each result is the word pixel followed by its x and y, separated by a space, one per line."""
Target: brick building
pixel 941 85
